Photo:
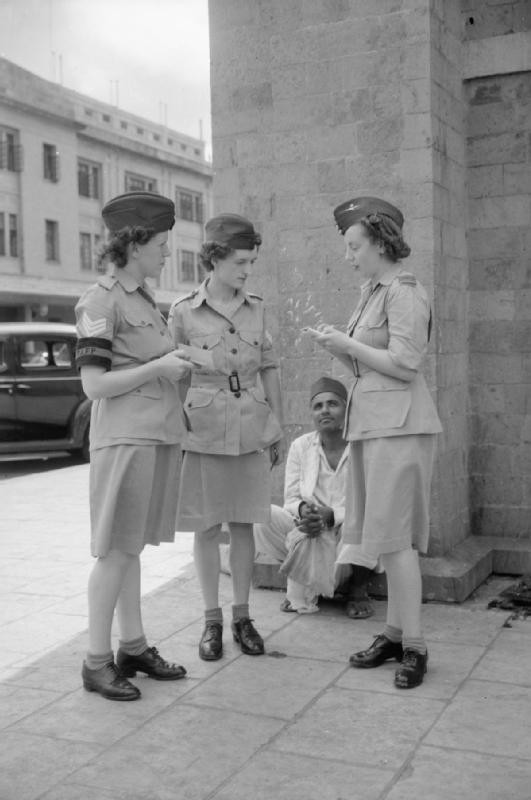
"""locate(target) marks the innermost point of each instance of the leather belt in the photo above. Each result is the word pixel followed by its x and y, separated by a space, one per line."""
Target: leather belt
pixel 233 382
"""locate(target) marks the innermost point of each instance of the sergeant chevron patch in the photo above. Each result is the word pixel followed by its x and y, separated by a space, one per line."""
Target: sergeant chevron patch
pixel 88 327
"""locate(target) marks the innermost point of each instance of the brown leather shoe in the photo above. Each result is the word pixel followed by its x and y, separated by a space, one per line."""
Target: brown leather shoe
pixel 211 644
pixel 108 682
pixel 412 669
pixel 381 650
pixel 150 662
pixel 245 634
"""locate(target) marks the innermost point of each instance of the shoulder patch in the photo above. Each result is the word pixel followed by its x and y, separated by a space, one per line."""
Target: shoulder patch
pixel 407 278
pixel 107 281
pixel 188 296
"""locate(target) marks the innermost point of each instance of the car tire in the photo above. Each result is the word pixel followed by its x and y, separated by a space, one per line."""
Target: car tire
pixel 85 447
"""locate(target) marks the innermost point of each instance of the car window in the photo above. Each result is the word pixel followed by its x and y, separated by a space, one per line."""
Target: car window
pixel 3 357
pixel 39 353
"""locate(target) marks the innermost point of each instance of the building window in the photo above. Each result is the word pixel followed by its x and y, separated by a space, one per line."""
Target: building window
pixel 123 125
pixel 106 117
pixel 13 236
pixel 100 267
pixel 170 142
pixel 88 178
pixel 197 151
pixel 2 233
pixel 88 112
pixel 50 156
pixel 189 205
pixel 52 240
pixel 85 251
pixel 140 131
pixel 156 137
pixel 10 151
pixel 188 267
pixel 139 183
pixel 183 147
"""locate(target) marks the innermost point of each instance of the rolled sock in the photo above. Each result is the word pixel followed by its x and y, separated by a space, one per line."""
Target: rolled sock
pixel 97 660
pixel 214 615
pixel 415 643
pixel 241 611
pixel 134 647
pixel 392 633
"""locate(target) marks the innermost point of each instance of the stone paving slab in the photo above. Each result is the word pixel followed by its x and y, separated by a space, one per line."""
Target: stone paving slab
pixel 298 723
pixel 272 775
pixel 462 776
pixel 186 752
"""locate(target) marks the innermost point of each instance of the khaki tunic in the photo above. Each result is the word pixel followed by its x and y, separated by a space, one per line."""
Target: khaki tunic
pixel 390 423
pixel 134 437
pixel 226 474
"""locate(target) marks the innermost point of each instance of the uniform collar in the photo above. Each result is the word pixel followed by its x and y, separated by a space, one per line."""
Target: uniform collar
pixel 201 296
pixel 126 281
pixel 386 279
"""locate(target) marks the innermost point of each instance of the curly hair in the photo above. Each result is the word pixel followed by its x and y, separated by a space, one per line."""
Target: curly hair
pixel 115 249
pixel 382 231
pixel 213 250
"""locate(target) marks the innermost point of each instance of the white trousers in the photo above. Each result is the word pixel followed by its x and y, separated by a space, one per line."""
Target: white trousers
pixel 272 539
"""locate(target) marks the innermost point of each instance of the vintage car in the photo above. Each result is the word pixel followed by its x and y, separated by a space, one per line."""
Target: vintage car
pixel 42 405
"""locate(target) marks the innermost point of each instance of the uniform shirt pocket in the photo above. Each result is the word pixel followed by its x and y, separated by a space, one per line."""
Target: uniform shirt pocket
pixel 250 349
pixel 140 337
pixel 204 420
pixel 383 402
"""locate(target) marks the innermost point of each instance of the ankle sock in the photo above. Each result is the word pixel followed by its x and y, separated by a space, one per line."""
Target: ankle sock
pixel 240 611
pixel 134 647
pixel 415 643
pixel 393 634
pixel 98 660
pixel 214 615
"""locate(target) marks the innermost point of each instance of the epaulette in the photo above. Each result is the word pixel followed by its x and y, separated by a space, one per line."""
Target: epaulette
pixel 407 278
pixel 254 296
pixel 188 296
pixel 107 281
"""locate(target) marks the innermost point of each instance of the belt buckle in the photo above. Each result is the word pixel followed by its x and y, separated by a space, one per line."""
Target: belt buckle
pixel 234 383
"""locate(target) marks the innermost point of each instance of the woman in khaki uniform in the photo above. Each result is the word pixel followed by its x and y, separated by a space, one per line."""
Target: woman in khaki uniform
pixel 391 425
pixel 130 370
pixel 233 413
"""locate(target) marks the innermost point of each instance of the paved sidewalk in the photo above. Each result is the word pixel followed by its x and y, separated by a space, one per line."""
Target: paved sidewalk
pixel 296 724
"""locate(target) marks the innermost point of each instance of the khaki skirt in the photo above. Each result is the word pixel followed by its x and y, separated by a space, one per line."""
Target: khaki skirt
pixel 388 495
pixel 218 488
pixel 133 496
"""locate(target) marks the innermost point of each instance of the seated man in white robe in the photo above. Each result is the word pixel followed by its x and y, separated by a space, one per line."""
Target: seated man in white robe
pixel 314 506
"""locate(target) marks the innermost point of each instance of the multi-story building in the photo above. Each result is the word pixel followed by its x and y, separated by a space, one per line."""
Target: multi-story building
pixel 62 156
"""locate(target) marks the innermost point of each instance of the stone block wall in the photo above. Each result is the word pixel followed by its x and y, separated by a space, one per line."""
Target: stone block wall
pixel 314 101
pixel 499 242
pixel 450 485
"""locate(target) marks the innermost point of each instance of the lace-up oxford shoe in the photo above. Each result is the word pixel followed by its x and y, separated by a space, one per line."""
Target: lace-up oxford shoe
pixel 411 671
pixel 381 650
pixel 150 662
pixel 211 644
pixel 245 634
pixel 108 682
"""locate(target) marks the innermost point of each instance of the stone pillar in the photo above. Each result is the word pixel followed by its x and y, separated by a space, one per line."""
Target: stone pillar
pixel 315 101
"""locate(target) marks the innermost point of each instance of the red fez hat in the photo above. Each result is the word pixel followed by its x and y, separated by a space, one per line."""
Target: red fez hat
pixel 325 384
pixel 144 209
pixel 232 230
pixel 352 211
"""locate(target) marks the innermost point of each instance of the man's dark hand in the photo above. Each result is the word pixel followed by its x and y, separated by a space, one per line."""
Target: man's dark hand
pixel 311 522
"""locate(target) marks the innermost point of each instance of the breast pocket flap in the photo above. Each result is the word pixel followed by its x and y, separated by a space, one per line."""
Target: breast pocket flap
pixel 198 398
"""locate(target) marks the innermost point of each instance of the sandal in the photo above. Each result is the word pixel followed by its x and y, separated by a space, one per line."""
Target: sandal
pixel 359 608
pixel 286 606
